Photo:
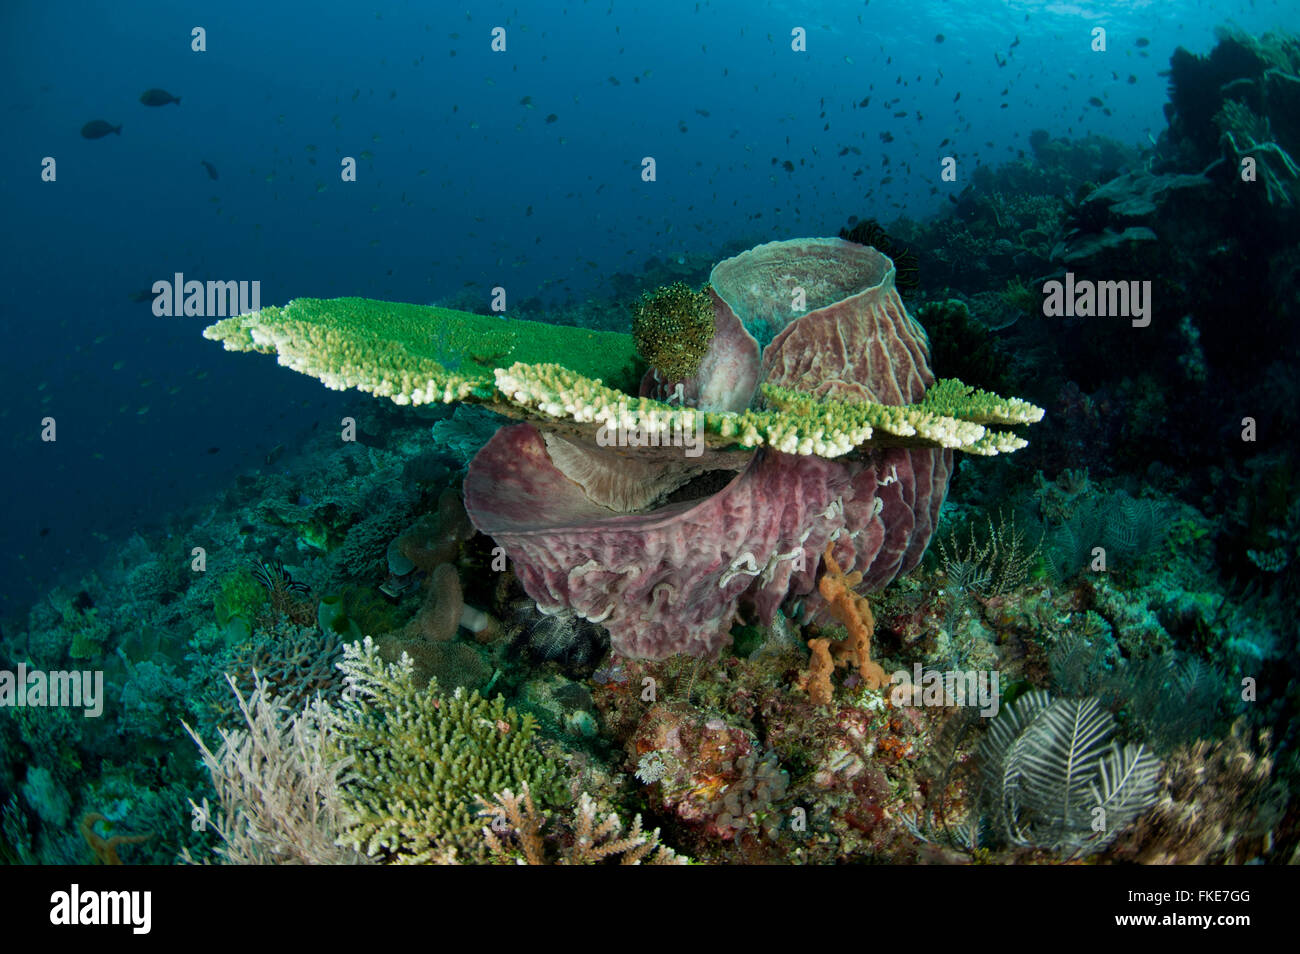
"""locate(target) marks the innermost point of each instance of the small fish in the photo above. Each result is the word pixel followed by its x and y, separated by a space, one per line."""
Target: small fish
pixel 1141 42
pixel 158 97
pixel 143 294
pixel 552 118
pixel 98 129
pixel 212 170
pixel 938 38
pixel 1093 100
pixel 367 154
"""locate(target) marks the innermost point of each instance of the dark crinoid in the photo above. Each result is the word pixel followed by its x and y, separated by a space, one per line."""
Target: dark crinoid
pixel 272 574
pixel 288 596
pixel 907 268
pixel 569 641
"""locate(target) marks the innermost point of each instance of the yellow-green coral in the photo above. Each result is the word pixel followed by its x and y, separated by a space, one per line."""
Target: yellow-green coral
pixel 422 760
pixel 416 354
pixel 672 327
pixel 949 396
pixel 408 353
pixel 794 423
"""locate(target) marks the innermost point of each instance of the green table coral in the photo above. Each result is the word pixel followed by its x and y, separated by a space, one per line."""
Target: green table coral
pixel 414 354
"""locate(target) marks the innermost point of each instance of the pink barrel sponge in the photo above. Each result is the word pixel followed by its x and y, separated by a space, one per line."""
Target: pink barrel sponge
pixel 671 578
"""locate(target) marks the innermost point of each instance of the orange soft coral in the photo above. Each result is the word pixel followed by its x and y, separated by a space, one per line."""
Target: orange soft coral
pixel 820 667
pixel 105 849
pixel 836 587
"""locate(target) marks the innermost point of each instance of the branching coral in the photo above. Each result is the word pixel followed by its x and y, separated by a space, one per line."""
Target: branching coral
pixel 515 834
pixel 422 757
pixel 277 784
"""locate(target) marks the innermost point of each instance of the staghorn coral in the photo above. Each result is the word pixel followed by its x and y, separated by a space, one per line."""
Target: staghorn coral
pixel 515 835
pixel 295 662
pixel 420 759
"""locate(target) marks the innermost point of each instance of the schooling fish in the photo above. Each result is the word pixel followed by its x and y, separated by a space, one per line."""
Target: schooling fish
pixel 158 97
pixel 212 170
pixel 98 129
